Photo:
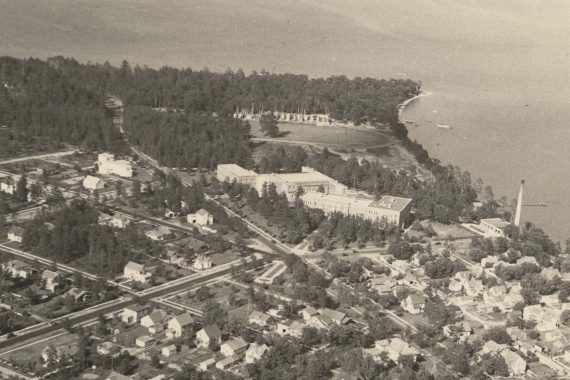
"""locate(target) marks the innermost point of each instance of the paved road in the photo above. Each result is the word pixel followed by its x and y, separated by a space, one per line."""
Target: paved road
pixel 39 156
pixel 120 303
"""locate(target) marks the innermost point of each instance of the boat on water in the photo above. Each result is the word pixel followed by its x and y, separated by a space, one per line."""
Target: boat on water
pixel 443 126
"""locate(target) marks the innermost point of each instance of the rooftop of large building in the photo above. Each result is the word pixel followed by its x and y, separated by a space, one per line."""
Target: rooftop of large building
pixel 386 202
pixel 298 178
pixel 237 170
pixel 496 222
pixel 392 203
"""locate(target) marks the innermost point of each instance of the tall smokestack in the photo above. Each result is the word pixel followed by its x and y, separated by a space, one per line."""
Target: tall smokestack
pixel 519 205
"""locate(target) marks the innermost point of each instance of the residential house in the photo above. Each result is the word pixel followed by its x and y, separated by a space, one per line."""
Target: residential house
pixel 414 303
pixel 461 330
pixel 228 362
pixel 291 327
pixel 528 260
pixel 255 352
pixel 308 313
pixel 209 335
pixel 455 286
pixel 474 287
pixel 550 273
pixel 93 184
pixel 134 313
pixel 206 364
pixel 337 317
pixel 494 295
pixel 201 217
pixel 16 233
pixel 136 272
pixel 116 220
pixel 491 347
pixel 50 280
pixel 179 324
pixel 145 341
pixel 202 262
pixel 169 350
pixel 258 318
pixel 533 313
pixel 108 348
pixel 235 346
pixel 17 269
pixel 160 233
pixel 489 261
pixel 78 295
pixel 154 321
pixel 515 363
pixel 550 299
pixel 383 284
pixel 117 376
pixel 394 348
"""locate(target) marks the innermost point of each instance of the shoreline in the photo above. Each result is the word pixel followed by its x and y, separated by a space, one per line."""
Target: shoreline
pixel 406 102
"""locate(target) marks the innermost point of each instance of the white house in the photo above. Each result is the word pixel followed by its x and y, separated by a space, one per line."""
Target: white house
pixel 201 217
pixel 17 269
pixel 202 262
pixel 515 363
pixel 93 183
pixel 414 303
pixel 255 352
pixel 160 233
pixel 258 318
pixel 108 165
pixel 178 324
pixel 227 362
pixel 235 346
pixel 394 348
pixel 293 328
pixel 134 313
pixel 16 234
pixel 136 272
pixel 169 350
pixel 208 335
pixel 154 321
pixel 51 280
pixel 145 341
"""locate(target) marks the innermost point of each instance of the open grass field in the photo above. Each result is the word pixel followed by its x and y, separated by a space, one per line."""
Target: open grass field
pixel 333 136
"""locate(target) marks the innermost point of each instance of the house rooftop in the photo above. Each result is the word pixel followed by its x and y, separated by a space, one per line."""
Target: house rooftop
pixel 496 222
pixel 212 331
pixel 237 170
pixel 135 266
pixel 16 230
pixel 236 343
pixel 184 319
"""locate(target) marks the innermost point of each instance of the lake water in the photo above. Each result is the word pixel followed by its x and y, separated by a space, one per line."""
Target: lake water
pixel 498 71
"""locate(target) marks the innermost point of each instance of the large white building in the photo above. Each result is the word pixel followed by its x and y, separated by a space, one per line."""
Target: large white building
pixel 108 165
pixel 233 172
pixel 309 180
pixel 392 210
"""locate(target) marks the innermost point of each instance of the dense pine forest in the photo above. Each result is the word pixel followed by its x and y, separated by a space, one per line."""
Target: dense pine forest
pixel 45 104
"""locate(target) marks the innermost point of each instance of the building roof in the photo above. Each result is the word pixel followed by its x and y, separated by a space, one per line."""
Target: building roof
pixel 334 315
pixel 229 360
pixel 212 331
pixel 48 274
pixel 135 266
pixel 511 358
pixel 236 170
pixel 236 343
pixel 137 307
pixel 298 178
pixel 310 311
pixel 202 212
pixel 391 203
pixel 170 347
pixel 258 315
pixel 417 299
pixel 184 319
pixel 257 350
pixel 91 182
pixel 16 264
pixel 496 222
pixel 16 230
pixel 157 316
pixel 145 338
